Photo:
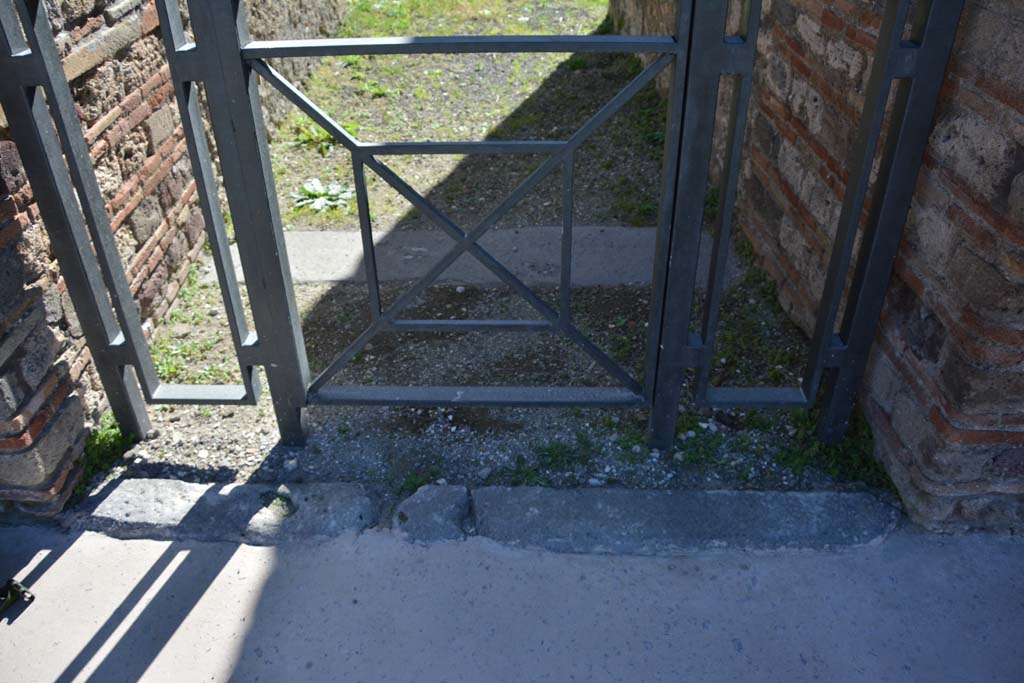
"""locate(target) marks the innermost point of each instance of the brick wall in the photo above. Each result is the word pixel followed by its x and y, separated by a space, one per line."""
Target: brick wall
pixel 113 56
pixel 945 385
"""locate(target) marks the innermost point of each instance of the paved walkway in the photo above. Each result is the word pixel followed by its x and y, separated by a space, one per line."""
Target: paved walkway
pixel 602 256
pixel 374 607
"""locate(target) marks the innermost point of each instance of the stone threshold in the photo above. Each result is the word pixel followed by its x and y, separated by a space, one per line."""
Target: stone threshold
pixel 587 521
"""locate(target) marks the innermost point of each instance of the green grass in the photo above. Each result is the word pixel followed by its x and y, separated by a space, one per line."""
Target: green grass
pixel 187 348
pixel 367 18
pixel 851 460
pixel 525 474
pixel 104 448
pixel 414 480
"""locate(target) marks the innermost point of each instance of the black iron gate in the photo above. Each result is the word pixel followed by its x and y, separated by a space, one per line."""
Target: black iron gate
pixel 913 49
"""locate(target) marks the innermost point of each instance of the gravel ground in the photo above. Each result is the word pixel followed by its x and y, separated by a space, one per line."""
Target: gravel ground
pixel 395 450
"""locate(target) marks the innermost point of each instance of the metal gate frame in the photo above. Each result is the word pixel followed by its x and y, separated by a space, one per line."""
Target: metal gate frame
pixel 226 62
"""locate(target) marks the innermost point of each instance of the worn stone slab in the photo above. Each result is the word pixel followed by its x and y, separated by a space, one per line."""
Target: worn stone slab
pixel 250 513
pixel 433 513
pixel 673 522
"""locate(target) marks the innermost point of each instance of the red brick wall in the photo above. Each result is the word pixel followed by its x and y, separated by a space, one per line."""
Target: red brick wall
pixel 945 386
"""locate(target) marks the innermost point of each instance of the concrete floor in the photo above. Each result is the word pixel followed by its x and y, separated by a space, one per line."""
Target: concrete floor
pixel 375 608
pixel 602 256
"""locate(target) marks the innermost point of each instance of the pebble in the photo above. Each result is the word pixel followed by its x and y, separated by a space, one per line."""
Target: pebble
pixel 290 464
pixel 460 289
pixel 594 481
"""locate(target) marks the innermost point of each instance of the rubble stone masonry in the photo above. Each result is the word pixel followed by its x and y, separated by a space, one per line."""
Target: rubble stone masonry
pixel 945 386
pixel 113 57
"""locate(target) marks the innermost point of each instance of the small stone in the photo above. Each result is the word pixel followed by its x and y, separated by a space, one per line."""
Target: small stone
pixel 442 482
pixel 291 464
pixel 460 289
pixel 690 434
pixel 484 473
pixel 637 448
pixel 203 454
pixel 594 481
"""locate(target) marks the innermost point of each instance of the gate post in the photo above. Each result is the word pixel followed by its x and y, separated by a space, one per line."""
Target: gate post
pixel 691 122
pixel 919 64
pixel 221 29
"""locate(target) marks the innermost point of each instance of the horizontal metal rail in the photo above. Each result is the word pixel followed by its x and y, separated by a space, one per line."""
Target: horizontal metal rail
pixel 469 326
pixel 518 396
pixel 338 47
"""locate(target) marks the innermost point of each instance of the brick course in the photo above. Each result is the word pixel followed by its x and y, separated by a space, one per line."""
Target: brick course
pixel 113 57
pixel 945 385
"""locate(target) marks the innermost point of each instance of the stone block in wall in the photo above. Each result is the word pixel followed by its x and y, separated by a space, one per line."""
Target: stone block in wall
pixel 34 467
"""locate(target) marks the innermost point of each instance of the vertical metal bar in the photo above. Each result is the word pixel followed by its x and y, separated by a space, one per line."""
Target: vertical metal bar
pixel 366 230
pixel 859 165
pixel 568 219
pixel 933 32
pixel 697 88
pixel 187 94
pixel 32 129
pixel 743 68
pixel 221 30
pixel 79 163
pixel 666 208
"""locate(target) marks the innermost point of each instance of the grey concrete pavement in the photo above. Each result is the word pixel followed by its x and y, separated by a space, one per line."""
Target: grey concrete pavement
pixel 601 256
pixel 375 608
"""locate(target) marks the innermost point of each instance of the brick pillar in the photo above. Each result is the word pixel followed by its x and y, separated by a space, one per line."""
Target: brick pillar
pixel 42 419
pixel 945 384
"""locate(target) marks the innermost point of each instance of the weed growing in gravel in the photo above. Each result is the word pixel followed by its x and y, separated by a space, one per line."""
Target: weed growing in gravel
pixel 314 195
pixel 310 134
pixel 850 460
pixel 524 474
pixel 415 480
pixel 104 448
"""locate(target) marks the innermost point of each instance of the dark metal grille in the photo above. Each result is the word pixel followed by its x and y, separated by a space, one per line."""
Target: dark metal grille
pixel 226 62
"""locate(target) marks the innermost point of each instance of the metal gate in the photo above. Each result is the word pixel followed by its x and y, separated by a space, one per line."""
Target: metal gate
pixel 908 69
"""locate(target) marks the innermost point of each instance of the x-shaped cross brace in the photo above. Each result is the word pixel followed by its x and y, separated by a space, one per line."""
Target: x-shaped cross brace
pixel 465 242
